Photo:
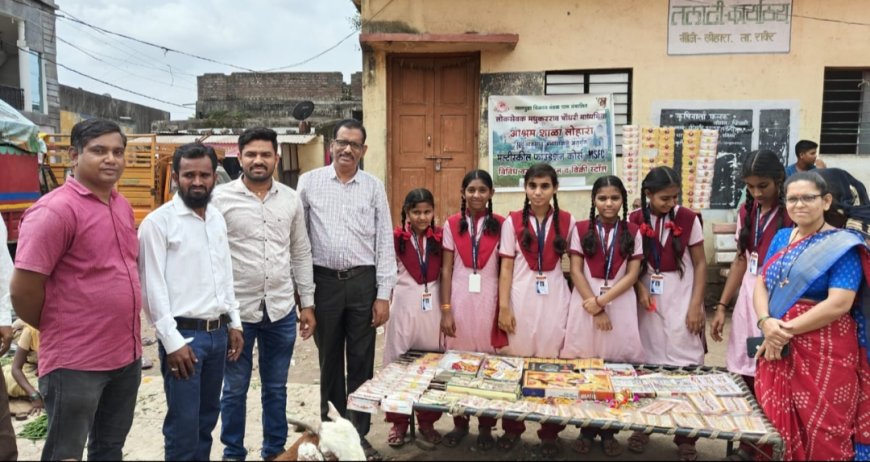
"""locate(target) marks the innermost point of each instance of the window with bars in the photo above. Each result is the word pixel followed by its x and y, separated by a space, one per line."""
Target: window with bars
pixel 615 81
pixel 846 112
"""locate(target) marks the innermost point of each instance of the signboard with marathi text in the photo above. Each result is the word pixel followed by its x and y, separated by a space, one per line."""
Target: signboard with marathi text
pixel 573 133
pixel 698 27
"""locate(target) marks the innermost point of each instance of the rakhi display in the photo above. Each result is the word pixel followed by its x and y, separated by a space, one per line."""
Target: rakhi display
pixel 566 389
pixel 644 148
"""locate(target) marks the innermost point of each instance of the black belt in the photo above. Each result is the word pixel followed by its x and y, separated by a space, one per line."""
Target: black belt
pixel 207 325
pixel 342 274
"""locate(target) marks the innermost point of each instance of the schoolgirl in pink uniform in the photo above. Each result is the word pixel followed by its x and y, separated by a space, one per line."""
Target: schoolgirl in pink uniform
pixel 533 293
pixel 670 291
pixel 415 321
pixel 759 219
pixel 606 255
pixel 469 286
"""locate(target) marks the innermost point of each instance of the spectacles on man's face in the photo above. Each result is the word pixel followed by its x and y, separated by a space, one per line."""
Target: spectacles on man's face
pixel 804 199
pixel 341 144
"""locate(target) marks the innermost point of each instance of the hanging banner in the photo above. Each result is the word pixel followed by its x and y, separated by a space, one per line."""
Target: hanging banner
pixel 729 26
pixel 573 133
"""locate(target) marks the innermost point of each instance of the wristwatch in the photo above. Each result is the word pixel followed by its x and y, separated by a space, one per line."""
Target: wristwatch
pixel 36 396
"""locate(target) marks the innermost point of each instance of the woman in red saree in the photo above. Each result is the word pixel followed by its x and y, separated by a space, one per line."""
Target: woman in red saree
pixel 816 395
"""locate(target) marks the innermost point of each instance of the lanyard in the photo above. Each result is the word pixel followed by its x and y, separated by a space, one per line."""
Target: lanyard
pixel 602 234
pixel 422 259
pixel 542 237
pixel 475 243
pixel 660 231
pixel 759 228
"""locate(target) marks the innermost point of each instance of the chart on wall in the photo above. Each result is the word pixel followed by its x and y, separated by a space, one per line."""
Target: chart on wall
pixel 743 126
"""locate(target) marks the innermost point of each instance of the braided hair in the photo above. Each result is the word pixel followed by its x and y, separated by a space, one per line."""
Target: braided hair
pixel 414 197
pixel 542 170
pixel 626 241
pixel 491 226
pixel 763 164
pixel 658 179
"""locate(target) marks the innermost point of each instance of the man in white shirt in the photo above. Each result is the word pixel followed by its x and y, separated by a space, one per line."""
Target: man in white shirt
pixel 8 448
pixel 271 261
pixel 187 285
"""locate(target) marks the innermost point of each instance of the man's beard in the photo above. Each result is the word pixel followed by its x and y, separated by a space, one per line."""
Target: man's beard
pixel 195 201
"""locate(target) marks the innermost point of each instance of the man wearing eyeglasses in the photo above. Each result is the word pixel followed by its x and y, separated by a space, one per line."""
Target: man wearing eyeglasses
pixel 354 269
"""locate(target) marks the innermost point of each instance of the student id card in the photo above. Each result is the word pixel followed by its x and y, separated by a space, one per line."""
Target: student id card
pixel 603 290
pixel 474 283
pixel 753 263
pixel 657 284
pixel 541 285
pixel 426 301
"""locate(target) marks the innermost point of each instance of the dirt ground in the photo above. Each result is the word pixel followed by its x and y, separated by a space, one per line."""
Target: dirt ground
pixel 145 441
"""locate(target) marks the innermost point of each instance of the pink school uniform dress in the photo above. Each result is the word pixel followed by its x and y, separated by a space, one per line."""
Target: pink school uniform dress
pixel 762 229
pixel 415 308
pixel 541 318
pixel 415 314
pixel 666 339
pixel 582 339
pixel 473 312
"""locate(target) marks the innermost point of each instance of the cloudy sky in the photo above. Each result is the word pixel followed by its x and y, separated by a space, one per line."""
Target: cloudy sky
pixel 254 34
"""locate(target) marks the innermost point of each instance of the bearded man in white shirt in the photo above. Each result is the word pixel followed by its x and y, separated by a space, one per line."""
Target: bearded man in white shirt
pixel 271 262
pixel 187 285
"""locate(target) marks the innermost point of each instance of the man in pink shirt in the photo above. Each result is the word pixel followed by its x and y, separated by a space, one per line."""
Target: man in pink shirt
pixel 76 280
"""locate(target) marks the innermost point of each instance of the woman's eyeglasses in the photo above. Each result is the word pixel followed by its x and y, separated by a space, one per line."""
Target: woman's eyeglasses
pixel 805 199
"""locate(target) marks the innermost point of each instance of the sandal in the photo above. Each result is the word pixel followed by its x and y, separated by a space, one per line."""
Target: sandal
pixel 454 437
pixel 429 438
pixel 370 452
pixel 509 441
pixel 611 447
pixel 396 438
pixel 687 452
pixel 485 441
pixel 550 448
pixel 637 442
pixel 582 445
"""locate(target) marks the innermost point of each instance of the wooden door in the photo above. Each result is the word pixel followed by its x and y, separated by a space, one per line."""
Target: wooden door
pixel 433 128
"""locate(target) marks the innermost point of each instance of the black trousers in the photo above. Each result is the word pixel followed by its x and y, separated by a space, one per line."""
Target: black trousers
pixel 89 406
pixel 345 337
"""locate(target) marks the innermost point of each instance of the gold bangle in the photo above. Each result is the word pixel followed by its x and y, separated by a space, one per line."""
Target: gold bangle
pixel 446 307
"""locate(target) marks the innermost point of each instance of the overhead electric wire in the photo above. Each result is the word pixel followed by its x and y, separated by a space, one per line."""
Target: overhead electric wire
pixel 133 92
pixel 75 21
pixel 69 17
pixel 164 48
pixel 144 61
pixel 92 56
pixel 313 57
pixel 107 39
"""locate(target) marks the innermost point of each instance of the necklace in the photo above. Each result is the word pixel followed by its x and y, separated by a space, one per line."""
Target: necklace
pixel 784 280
